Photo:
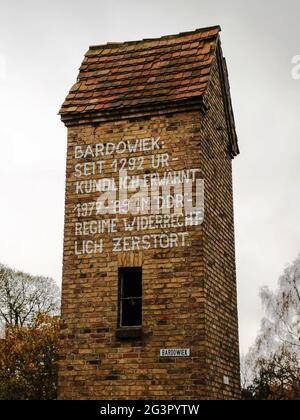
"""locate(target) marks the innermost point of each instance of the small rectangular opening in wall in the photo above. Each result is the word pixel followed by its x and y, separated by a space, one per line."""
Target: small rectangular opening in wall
pixel 130 297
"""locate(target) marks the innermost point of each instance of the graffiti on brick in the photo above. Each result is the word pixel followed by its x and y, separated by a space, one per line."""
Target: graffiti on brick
pixel 131 191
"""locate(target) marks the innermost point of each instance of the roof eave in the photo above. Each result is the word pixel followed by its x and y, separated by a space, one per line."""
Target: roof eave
pixel 195 104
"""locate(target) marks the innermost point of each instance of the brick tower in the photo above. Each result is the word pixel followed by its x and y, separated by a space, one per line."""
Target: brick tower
pixel 149 306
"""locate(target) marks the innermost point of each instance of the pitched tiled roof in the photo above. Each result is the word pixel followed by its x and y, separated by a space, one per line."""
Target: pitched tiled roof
pixel 118 76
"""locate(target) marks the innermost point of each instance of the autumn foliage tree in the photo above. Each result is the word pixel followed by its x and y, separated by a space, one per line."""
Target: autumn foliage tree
pixel 28 361
pixel 29 306
pixel 276 378
pixel 271 369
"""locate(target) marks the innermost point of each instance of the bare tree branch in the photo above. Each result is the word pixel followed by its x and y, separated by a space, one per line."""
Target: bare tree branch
pixel 23 296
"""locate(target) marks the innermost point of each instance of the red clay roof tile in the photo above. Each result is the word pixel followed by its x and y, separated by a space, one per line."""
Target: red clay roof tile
pixel 139 73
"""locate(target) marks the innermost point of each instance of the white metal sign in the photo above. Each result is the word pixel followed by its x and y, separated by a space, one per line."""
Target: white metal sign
pixel 175 352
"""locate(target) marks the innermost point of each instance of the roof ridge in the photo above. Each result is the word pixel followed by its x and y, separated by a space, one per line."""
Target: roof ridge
pixel 164 37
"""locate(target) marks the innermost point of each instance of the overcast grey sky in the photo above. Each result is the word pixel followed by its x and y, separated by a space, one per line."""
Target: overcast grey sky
pixel 41 47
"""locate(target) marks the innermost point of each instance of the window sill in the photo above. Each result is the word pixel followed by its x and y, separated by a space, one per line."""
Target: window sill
pixel 127 333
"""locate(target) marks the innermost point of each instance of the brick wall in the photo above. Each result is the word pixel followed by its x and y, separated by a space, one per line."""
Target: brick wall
pixel 189 293
pixel 221 320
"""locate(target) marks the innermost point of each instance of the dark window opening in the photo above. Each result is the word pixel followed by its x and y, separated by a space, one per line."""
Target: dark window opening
pixel 130 297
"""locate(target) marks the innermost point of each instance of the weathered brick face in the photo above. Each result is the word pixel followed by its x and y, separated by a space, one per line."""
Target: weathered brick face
pixel 221 320
pixel 189 290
